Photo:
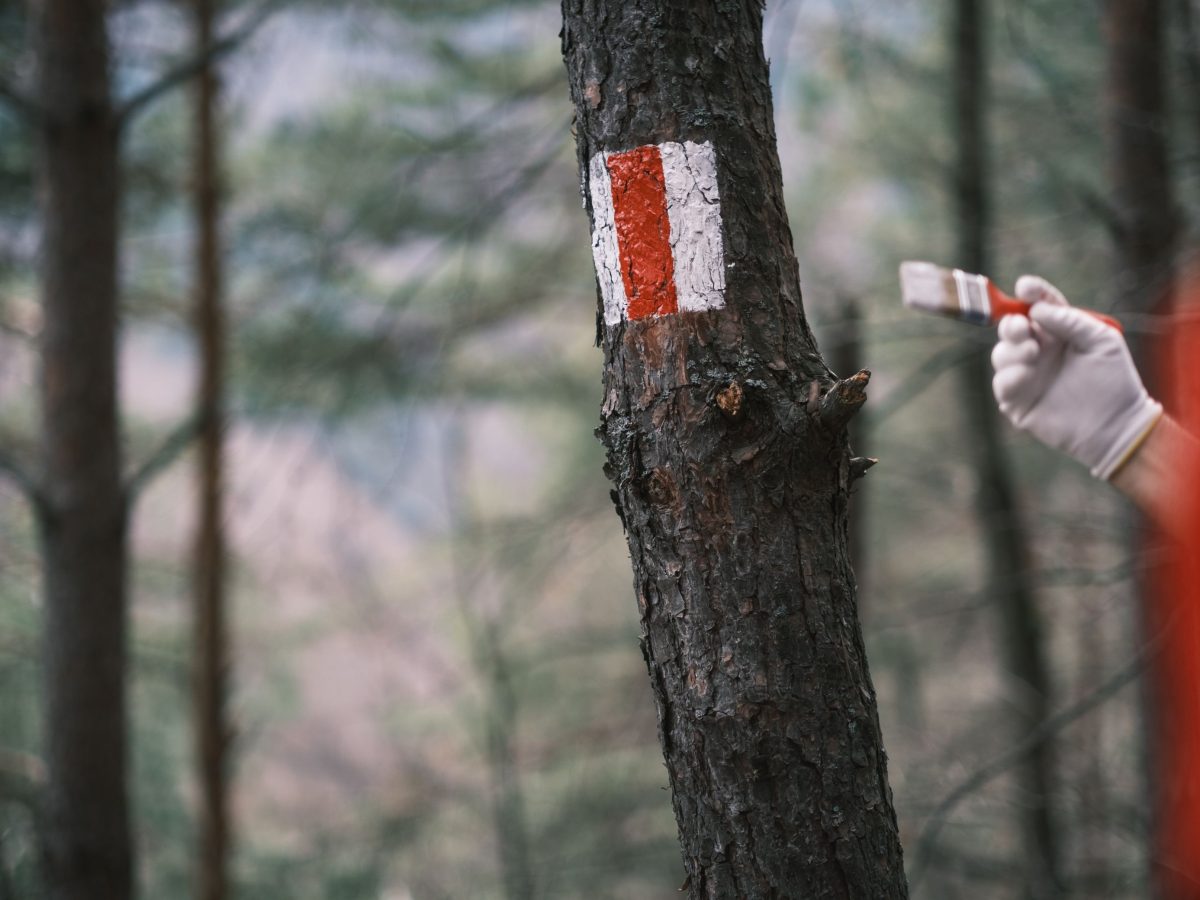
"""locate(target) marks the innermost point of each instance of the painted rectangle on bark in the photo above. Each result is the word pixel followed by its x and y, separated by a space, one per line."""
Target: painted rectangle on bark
pixel 656 238
pixel 643 232
pixel 604 242
pixel 694 207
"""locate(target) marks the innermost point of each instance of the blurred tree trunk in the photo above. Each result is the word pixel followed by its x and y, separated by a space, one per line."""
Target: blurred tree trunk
pixel 1008 558
pixel 86 846
pixel 508 799
pixel 1139 151
pixel 211 654
pixel 493 668
pixel 726 443
pixel 1190 38
pixel 1140 173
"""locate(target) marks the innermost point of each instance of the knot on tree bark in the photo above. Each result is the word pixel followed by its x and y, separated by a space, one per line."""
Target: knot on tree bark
pixel 730 401
pixel 841 401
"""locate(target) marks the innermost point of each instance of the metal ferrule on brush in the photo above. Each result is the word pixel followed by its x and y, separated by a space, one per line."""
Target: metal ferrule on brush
pixel 973 301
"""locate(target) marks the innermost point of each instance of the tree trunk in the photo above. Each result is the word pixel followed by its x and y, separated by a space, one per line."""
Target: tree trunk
pixel 726 442
pixel 508 799
pixel 1140 172
pixel 493 669
pixel 1139 150
pixel 1185 10
pixel 210 655
pixel 86 846
pixel 1008 558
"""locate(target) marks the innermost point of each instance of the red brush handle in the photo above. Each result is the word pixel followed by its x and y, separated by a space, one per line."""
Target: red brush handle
pixel 1004 305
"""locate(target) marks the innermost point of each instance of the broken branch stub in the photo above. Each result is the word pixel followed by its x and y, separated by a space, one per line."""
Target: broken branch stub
pixel 843 400
pixel 860 465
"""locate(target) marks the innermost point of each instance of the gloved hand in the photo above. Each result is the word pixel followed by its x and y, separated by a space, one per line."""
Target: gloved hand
pixel 1068 379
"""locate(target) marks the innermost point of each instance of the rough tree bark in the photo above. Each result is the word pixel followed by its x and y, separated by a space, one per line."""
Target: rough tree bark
pixel 210 653
pixel 1009 573
pixel 726 443
pixel 86 846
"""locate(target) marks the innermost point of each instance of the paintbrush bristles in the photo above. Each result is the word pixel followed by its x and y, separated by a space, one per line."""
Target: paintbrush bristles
pixel 963 296
pixel 929 288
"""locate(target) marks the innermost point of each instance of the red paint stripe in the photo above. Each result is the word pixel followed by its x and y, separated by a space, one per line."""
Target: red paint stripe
pixel 643 231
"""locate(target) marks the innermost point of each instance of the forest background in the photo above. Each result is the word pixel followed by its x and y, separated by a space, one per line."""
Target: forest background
pixel 436 685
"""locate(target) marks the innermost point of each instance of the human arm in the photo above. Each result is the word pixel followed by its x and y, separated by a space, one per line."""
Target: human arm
pixel 1155 471
pixel 1070 380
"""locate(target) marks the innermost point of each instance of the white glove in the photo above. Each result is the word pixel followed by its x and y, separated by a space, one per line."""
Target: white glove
pixel 1068 379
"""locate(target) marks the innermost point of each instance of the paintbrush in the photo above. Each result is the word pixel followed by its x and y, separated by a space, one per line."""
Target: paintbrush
pixel 963 296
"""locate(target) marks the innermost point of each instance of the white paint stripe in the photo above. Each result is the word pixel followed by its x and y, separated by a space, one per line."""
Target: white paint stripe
pixel 604 242
pixel 694 208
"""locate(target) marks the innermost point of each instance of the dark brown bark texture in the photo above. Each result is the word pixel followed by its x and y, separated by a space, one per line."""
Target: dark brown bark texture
pixel 1009 570
pixel 847 359
pixel 734 499
pixel 86 841
pixel 210 655
pixel 1139 150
